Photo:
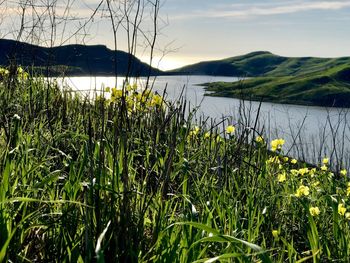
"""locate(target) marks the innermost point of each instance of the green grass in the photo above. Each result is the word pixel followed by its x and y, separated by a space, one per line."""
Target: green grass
pixel 131 179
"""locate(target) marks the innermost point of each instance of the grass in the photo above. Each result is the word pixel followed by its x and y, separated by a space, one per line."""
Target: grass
pixel 131 178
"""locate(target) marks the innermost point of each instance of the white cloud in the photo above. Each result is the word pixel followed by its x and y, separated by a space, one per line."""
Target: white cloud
pixel 266 9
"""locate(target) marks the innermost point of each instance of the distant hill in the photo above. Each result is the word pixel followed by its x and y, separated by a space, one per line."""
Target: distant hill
pixel 330 87
pixel 262 63
pixel 73 59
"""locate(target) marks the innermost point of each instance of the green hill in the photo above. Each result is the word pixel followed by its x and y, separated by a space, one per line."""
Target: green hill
pixel 262 63
pixel 330 87
pixel 303 80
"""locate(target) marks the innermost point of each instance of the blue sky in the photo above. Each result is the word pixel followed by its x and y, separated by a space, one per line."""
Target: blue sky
pixel 197 30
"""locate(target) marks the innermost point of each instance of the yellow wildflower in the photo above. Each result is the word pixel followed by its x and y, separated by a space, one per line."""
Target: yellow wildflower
pixel 314 211
pixel 341 209
pixel 343 172
pixel 294 172
pixel 230 129
pixel 325 160
pixel 259 139
pixel 286 159
pixel 302 190
pixel 116 94
pixel 315 184
pixel 275 233
pixel 107 89
pixel 293 161
pixel 303 171
pixel 282 177
pixel 194 132
pixel 277 144
pixel 324 168
pixel 157 100
pixel 348 190
pixel 207 135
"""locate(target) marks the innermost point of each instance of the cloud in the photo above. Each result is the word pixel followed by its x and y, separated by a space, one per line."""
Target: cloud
pixel 267 9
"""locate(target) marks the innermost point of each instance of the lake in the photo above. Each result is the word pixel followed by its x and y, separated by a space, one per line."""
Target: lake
pixel 310 132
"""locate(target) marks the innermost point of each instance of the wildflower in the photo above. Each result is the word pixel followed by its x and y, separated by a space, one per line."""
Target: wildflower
pixel 259 139
pixel 107 89
pixel 207 135
pixel 230 129
pixel 325 160
pixel 282 177
pixel 303 171
pixel 341 209
pixel 315 184
pixel 302 190
pixel 286 159
pixel 324 168
pixel 314 211
pixel 294 172
pixel 20 70
pixel 348 189
pixel 16 116
pixel 194 132
pixel 277 144
pixel 313 172
pixel 275 233
pixel 347 216
pixel 157 100
pixel 343 172
pixel 116 94
pixel 293 161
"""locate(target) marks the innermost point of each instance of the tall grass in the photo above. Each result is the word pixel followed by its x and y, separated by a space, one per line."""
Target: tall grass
pixel 133 179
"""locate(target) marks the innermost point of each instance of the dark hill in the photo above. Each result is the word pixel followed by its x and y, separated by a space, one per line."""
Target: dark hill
pixel 76 59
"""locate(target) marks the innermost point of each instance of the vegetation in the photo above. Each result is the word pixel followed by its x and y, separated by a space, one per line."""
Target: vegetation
pixel 305 80
pixel 326 88
pixel 261 63
pixel 130 178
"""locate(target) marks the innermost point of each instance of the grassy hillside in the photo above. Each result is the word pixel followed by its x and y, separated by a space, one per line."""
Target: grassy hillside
pixel 130 178
pixel 263 64
pixel 330 87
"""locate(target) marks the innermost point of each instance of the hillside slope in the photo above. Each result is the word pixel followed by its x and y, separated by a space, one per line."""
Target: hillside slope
pixel 262 63
pixel 324 88
pixel 75 59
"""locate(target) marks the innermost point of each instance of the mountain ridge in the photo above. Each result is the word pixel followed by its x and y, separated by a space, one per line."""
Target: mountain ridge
pixel 76 59
pixel 261 63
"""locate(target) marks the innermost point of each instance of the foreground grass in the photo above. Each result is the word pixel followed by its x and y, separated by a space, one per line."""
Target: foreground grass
pixel 131 179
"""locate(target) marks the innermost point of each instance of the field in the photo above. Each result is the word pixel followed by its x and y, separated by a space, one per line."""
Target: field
pixel 135 178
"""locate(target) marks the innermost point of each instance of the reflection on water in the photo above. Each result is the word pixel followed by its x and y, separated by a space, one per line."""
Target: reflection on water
pixel 310 132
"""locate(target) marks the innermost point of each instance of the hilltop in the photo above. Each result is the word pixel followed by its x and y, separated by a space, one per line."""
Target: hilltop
pixel 262 63
pixel 75 60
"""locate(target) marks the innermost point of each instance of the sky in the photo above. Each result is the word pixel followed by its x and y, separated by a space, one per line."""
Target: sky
pixel 198 30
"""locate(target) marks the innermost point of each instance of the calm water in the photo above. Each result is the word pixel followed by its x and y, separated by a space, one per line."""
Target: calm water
pixel 310 132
